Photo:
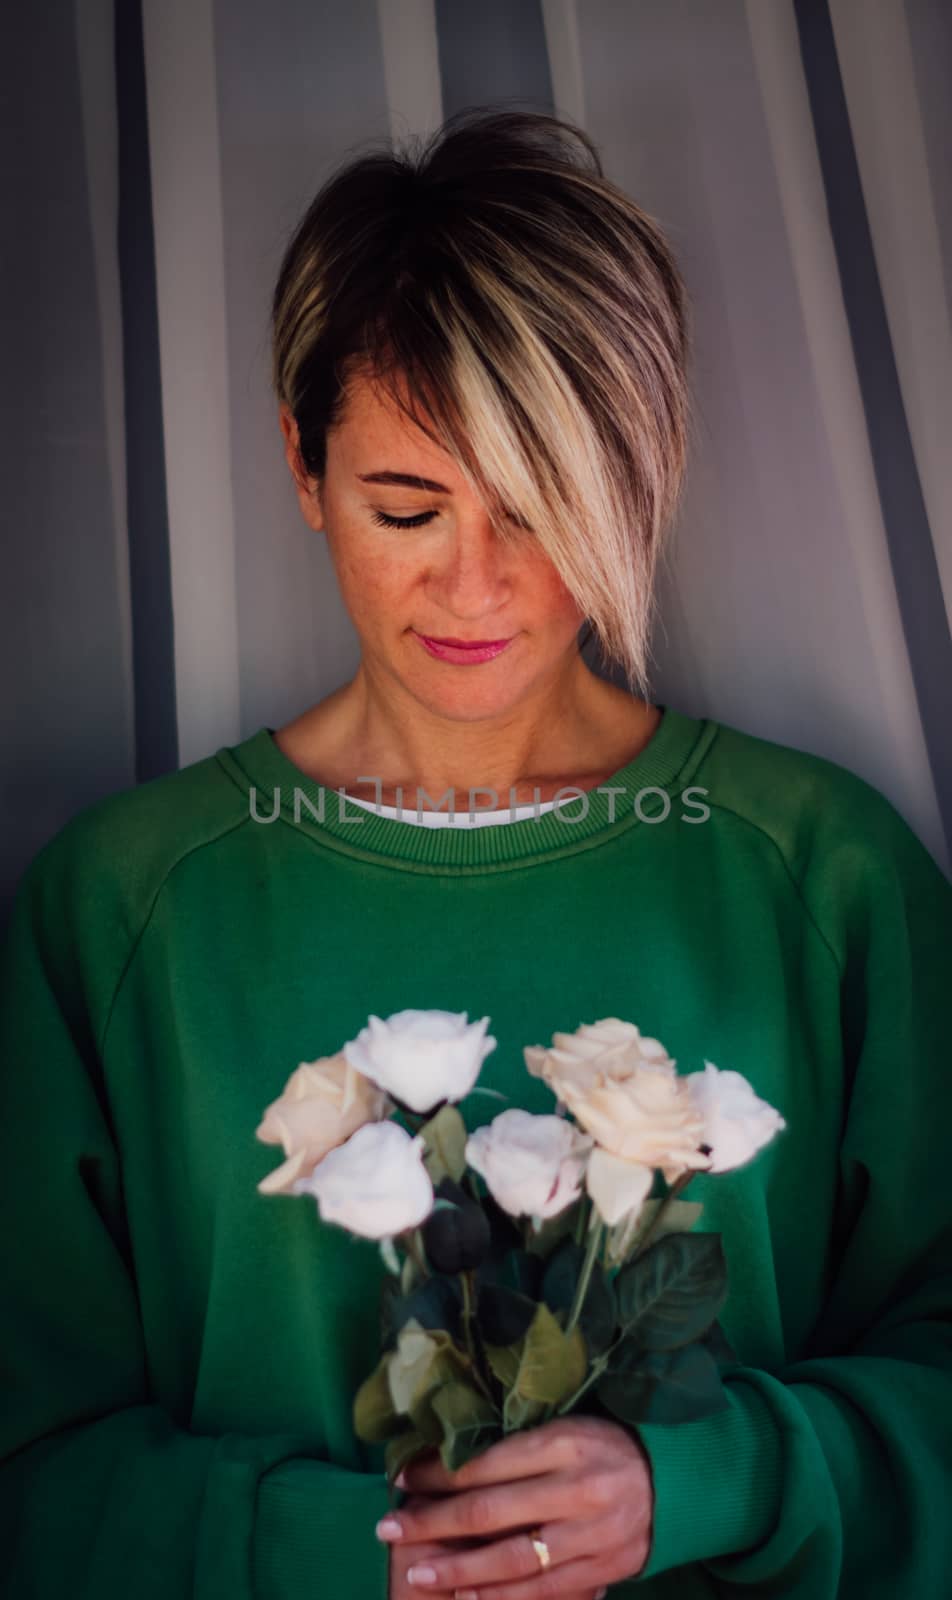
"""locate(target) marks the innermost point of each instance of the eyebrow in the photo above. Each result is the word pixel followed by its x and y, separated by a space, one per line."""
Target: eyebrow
pixel 404 480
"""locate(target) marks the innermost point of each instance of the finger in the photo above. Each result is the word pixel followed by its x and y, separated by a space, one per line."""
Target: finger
pixel 398 1587
pixel 412 1555
pixel 548 1447
pixel 574 1581
pixel 473 1513
pixel 414 1505
pixel 507 1560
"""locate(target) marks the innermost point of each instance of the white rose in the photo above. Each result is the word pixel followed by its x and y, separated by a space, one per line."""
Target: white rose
pixel 737 1123
pixel 422 1057
pixel 606 1049
pixel 648 1119
pixel 533 1165
pixel 321 1105
pixel 617 1187
pixel 622 1086
pixel 375 1184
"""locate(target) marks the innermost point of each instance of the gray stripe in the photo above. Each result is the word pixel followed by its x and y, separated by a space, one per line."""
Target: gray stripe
pixel 62 646
pixel 909 536
pixel 153 654
pixel 493 51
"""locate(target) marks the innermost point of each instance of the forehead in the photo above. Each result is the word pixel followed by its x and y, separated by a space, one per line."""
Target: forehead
pixel 374 434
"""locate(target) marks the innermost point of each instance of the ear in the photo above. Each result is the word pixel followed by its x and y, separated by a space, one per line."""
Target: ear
pixel 307 486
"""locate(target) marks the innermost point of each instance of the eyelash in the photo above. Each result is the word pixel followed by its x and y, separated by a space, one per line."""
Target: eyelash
pixel 383 521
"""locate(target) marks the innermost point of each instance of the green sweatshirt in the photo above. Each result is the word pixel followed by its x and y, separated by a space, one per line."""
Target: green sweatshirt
pixel 180 1353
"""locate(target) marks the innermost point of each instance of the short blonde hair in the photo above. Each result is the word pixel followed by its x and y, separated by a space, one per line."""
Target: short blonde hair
pixel 537 319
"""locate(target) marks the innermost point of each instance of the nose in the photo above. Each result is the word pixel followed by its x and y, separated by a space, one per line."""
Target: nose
pixel 470 575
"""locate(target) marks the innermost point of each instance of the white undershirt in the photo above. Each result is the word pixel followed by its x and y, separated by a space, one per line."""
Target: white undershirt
pixel 462 819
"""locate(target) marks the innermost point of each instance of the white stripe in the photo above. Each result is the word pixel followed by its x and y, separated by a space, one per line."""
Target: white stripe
pixel 190 281
pixel 411 66
pixel 885 108
pixel 892 708
pixel 560 19
pixel 96 49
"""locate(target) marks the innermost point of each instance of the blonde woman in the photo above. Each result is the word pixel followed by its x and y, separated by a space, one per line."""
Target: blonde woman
pixel 480 360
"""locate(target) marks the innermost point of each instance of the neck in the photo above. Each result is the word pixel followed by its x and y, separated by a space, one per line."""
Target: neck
pixel 574 730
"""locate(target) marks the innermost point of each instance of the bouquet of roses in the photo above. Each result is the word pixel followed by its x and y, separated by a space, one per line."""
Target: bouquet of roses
pixel 533 1266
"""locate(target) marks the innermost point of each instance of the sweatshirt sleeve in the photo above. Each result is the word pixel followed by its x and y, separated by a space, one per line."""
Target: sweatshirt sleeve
pixel 102 1492
pixel 831 1479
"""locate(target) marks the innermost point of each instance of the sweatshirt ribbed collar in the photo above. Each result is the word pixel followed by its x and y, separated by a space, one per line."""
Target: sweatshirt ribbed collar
pixel 648 787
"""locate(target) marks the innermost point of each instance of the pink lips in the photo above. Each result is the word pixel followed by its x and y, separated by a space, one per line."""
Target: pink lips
pixel 462 653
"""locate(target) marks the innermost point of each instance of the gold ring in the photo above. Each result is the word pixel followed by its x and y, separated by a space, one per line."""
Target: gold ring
pixel 540 1547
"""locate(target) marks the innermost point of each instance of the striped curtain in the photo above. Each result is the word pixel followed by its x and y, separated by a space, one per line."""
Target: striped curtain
pixel 161 594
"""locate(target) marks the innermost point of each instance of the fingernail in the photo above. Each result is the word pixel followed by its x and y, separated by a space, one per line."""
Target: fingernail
pixel 421 1575
pixel 601 1593
pixel 387 1528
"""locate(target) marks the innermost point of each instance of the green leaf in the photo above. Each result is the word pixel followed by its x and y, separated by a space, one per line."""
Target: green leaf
pixel 505 1234
pixel 424 1418
pixel 423 1361
pixel 456 1237
pixel 680 1216
pixel 521 1412
pixel 503 1316
pixel 470 1423
pixel 409 1363
pixel 671 1295
pixel 402 1449
pixel 553 1364
pixel 444 1139
pixel 375 1417
pixel 541 1368
pixel 522 1272
pixel 665 1386
pixel 720 1347
pixel 598 1316
pixel 553 1229
pixel 562 1272
pixel 389 1297
pixel 505 1359
pixel 436 1302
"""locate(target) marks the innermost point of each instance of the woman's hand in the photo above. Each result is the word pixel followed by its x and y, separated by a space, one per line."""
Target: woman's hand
pixel 584 1481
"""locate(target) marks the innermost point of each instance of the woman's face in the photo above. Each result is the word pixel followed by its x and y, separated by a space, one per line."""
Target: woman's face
pixel 447 576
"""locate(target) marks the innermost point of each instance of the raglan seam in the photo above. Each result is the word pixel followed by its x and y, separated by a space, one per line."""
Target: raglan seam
pixel 203 844
pixel 788 870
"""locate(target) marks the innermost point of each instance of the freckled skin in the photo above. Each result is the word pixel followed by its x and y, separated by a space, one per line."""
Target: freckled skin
pixel 536 716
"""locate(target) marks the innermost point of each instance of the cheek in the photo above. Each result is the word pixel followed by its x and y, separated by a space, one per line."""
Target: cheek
pixel 370 584
pixel 552 599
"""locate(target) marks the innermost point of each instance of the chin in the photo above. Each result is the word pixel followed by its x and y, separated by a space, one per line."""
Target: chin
pixel 462 703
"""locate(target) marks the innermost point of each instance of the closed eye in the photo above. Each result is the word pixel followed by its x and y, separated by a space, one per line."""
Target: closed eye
pixel 419 521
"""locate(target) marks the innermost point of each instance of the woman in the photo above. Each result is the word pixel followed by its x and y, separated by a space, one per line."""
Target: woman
pixel 479 360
